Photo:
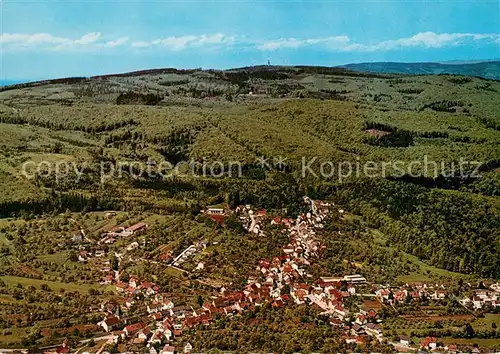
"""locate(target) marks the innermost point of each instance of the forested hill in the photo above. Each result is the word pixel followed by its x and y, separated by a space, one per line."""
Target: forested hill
pixel 285 114
pixel 486 69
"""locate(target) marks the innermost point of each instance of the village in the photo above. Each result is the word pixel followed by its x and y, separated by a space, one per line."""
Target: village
pixel 280 281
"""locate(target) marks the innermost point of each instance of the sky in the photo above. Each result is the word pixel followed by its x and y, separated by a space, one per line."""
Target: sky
pixel 43 39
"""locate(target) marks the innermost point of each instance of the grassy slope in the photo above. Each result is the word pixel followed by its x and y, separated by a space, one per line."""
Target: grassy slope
pixel 426 272
pixel 55 286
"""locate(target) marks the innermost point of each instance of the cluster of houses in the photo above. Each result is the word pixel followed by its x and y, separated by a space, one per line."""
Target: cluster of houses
pixel 480 298
pixel 483 299
pixel 251 220
pixel 217 213
pixel 188 252
pixel 116 232
pixel 411 291
pixel 326 294
pixel 135 286
pixel 89 251
pixel 280 281
pixel 428 344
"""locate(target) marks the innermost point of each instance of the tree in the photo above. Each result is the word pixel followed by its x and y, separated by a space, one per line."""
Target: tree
pixel 468 331
pixel 199 300
pixel 72 256
pixel 114 262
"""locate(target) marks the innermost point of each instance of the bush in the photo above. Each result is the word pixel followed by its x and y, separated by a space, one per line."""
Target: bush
pixel 443 106
pixel 411 90
pixel 460 80
pixel 149 99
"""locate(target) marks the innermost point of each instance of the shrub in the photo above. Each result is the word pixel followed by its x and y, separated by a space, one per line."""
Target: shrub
pixel 460 80
pixel 443 106
pixel 411 90
pixel 138 98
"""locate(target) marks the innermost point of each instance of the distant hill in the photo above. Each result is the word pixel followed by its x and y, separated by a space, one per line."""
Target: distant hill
pixel 485 69
pixel 10 82
pixel 489 69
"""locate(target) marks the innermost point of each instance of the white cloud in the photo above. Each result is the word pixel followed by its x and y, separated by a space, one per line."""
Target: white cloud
pixel 88 38
pixel 30 39
pixel 425 40
pixel 183 42
pixel 344 44
pixel 45 41
pixel 331 42
pixel 96 41
pixel 116 43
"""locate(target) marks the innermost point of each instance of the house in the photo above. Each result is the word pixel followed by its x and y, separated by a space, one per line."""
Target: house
pixel 136 228
pixel 166 256
pixel 168 349
pixel 138 340
pixel 82 256
pixel 120 286
pixel 405 341
pixel 220 219
pixel 100 253
pixel 156 307
pixel 355 279
pixel 276 221
pixel 340 311
pixel 215 210
pixel 200 266
pixel 77 238
pixel 157 337
pixel 108 279
pixel 134 328
pixel 373 329
pixel 439 294
pixel 261 213
pixel 129 302
pixel 477 302
pixel 132 282
pixel 132 246
pixel 109 323
pixel 383 294
pixel 144 333
pixel 356 330
pixel 429 343
pixel 361 319
pixel 148 288
pixel 118 231
pixel 188 348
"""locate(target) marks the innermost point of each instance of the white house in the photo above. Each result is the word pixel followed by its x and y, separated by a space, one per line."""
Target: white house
pixel 188 348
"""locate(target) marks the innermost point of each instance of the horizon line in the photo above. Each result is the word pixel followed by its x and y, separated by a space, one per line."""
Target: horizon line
pixel 447 62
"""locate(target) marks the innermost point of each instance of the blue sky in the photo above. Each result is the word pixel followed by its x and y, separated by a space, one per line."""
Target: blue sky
pixel 54 38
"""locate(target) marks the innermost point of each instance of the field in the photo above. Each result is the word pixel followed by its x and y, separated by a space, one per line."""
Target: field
pixel 417 327
pixel 55 286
